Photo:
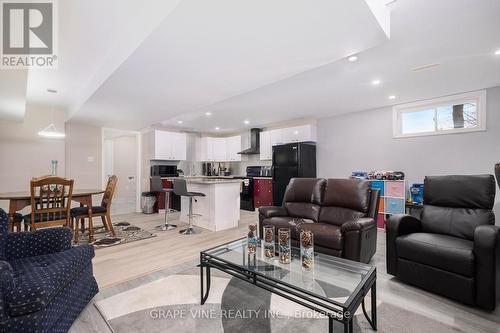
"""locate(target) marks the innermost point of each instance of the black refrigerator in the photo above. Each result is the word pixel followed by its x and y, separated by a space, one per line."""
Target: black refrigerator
pixel 293 160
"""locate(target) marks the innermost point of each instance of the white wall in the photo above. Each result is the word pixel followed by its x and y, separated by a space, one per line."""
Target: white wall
pixel 363 141
pixel 83 155
pixel 24 154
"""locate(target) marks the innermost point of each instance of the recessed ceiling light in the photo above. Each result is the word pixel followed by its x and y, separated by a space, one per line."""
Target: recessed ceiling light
pixel 179 121
pixel 208 114
pixel 352 58
pixel 247 122
pixel 497 52
pixel 376 82
pixel 392 97
pixel 217 128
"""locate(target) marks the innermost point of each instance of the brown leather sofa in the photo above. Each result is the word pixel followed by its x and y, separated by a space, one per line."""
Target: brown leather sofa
pixel 340 212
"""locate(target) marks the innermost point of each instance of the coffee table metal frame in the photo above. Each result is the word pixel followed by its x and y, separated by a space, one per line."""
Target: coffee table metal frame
pixel 341 312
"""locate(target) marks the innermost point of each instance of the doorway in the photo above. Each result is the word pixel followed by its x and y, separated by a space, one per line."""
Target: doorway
pixel 120 157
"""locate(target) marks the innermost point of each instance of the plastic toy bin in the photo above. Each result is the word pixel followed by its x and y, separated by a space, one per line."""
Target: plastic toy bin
pixel 394 206
pixel 381 205
pixel 378 184
pixel 381 221
pixel 394 189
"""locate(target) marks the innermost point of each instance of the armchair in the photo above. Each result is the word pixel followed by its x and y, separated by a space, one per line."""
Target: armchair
pixel 44 282
pixel 454 248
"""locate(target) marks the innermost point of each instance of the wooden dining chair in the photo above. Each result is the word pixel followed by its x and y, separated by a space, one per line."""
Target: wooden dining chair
pixel 104 210
pixel 50 202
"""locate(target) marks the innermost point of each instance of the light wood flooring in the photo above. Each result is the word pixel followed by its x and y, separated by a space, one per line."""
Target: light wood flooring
pixel 121 263
pixel 125 266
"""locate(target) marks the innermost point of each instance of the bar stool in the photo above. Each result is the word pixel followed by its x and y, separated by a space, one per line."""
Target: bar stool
pixel 180 189
pixel 157 186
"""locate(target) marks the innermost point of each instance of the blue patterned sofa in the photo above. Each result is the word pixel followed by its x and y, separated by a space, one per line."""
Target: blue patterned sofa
pixel 44 282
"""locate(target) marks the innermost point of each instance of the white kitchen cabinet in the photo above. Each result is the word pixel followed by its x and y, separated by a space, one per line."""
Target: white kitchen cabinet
pixel 179 146
pixel 206 149
pixel 298 134
pixel 277 137
pixel 281 136
pixel 266 151
pixel 168 146
pixel 161 150
pixel 233 147
pixel 219 149
pixel 268 139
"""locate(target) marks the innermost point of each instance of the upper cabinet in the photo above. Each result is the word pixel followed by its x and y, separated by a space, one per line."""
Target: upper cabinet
pixel 167 145
pixel 233 147
pixel 220 149
pixel 268 139
pixel 266 151
pixel 206 149
pixel 179 146
pixel 298 134
pixel 276 137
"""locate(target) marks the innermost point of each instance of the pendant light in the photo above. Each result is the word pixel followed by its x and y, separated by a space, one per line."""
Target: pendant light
pixel 51 130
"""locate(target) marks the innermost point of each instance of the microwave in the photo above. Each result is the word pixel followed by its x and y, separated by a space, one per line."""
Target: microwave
pixel 164 171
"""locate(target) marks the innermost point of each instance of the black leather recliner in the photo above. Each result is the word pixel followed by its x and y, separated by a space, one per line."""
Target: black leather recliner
pixel 454 249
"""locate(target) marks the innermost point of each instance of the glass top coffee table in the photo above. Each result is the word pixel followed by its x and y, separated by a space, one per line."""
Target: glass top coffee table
pixel 292 282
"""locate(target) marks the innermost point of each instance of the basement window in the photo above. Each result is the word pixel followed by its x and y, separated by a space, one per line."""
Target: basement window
pixel 445 115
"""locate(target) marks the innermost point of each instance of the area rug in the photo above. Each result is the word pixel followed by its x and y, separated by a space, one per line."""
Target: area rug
pixel 172 304
pixel 124 233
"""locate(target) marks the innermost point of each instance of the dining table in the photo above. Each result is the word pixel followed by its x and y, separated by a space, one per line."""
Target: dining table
pixel 20 200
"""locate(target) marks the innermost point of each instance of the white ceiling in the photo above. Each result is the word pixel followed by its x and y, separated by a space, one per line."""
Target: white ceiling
pixel 95 37
pixel 205 52
pixel 461 37
pixel 267 61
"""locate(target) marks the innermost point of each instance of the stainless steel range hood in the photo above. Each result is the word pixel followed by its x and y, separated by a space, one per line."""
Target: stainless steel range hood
pixel 254 143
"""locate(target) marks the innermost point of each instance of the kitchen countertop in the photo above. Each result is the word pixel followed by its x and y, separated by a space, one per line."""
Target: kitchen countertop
pixel 202 181
pixel 214 179
pixel 207 180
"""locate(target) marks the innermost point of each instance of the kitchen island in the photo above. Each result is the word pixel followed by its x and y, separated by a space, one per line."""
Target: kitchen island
pixel 219 209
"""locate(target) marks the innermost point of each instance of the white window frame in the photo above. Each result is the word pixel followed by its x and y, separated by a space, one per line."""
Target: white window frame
pixel 478 96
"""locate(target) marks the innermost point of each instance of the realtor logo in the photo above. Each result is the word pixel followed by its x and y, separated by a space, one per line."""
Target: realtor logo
pixel 28 34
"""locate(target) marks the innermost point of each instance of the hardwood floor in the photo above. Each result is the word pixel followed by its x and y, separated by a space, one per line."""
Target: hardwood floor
pixel 125 266
pixel 121 263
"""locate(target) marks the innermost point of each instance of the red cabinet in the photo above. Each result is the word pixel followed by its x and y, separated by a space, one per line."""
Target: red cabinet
pixel 262 192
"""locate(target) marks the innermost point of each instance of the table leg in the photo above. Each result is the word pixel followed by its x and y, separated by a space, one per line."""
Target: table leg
pixel 373 320
pixel 74 224
pixel 16 205
pixel 330 325
pixel 91 226
pixel 204 295
pixel 12 212
pixel 374 305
